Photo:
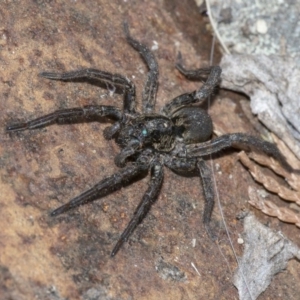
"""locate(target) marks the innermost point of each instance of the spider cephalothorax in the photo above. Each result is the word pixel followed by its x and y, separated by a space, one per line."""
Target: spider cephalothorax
pixel 177 138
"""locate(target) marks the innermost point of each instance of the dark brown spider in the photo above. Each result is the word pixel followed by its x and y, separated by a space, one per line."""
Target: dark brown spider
pixel 177 138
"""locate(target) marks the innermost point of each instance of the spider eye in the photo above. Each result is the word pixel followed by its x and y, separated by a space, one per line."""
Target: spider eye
pixel 144 132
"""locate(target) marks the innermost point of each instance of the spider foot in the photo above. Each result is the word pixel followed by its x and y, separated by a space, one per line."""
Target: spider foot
pixel 60 210
pixel 16 127
pixel 117 247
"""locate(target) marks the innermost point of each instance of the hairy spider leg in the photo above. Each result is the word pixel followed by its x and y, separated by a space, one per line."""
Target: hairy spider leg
pixel 115 80
pixel 197 96
pixel 213 80
pixel 150 88
pixel 126 152
pixel 180 164
pixel 236 140
pixel 209 195
pixel 144 206
pixel 74 115
pixel 104 187
pixel 189 164
pixel 196 74
pixel 69 115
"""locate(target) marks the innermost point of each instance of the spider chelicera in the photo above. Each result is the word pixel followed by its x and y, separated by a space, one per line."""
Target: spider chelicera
pixel 178 138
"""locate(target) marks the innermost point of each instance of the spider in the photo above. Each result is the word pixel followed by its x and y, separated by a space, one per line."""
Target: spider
pixel 178 137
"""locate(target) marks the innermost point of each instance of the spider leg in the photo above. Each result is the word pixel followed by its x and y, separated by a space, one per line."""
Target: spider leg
pixel 144 206
pixel 150 89
pixel 180 164
pixel 196 74
pixel 110 131
pixel 102 188
pixel 208 190
pixel 70 115
pixel 115 80
pixel 236 140
pixel 177 103
pixel 197 96
pixel 126 152
pixel 187 164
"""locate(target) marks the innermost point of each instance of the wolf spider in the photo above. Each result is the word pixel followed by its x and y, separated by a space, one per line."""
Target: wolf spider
pixel 178 137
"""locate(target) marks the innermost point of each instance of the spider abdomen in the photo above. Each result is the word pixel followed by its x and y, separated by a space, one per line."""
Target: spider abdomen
pixel 193 124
